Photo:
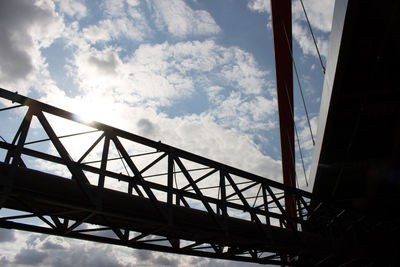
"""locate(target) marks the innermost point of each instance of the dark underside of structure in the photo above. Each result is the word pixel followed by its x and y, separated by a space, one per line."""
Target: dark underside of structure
pixel 358 170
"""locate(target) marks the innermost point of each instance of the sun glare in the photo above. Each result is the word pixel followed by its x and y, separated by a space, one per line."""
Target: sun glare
pixel 91 110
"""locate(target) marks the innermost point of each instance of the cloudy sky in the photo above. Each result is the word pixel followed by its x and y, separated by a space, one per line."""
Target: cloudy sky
pixel 195 74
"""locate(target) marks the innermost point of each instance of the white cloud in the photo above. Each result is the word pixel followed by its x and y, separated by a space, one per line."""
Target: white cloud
pixel 180 20
pixel 245 73
pixel 304 132
pixel 6 236
pixel 320 14
pixel 44 250
pixel 246 115
pixel 159 74
pixel 106 62
pixel 120 21
pixel 133 2
pixel 101 32
pixel 31 250
pixel 259 5
pixel 303 37
pixel 73 8
pixel 26 27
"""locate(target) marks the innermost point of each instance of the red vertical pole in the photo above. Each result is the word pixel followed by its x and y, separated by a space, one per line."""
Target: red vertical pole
pixel 282 29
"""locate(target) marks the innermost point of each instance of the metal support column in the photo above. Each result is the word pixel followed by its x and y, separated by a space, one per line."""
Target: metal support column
pixel 282 28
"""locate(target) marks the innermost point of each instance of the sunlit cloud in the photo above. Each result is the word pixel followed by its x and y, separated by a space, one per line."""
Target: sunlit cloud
pixel 180 20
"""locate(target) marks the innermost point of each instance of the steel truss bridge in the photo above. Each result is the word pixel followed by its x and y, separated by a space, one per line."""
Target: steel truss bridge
pixel 107 185
pixel 167 200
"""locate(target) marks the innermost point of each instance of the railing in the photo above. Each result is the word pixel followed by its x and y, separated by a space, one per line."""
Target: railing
pixel 128 190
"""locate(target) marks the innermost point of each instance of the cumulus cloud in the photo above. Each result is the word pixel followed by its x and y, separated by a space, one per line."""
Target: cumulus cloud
pixel 25 27
pixel 320 14
pixel 160 74
pixel 300 33
pixel 54 243
pixel 30 257
pixel 145 127
pixel 106 63
pixel 248 115
pixel 259 5
pixel 151 258
pixel 109 29
pixel 6 235
pixel 73 8
pixel 120 20
pixel 4 261
pixel 43 250
pixel 304 132
pixel 180 20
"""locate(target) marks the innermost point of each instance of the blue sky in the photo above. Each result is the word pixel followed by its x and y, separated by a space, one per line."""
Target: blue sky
pixel 195 74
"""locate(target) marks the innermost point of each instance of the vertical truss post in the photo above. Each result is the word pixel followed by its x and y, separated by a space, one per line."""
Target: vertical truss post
pixel 102 175
pixel 223 207
pixel 265 203
pixel 170 184
pixel 103 165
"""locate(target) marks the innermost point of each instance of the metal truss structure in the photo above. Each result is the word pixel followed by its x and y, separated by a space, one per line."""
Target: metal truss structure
pixel 127 190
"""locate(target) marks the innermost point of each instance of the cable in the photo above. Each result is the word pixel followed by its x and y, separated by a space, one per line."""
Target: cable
pixel 313 37
pixel 291 112
pixel 304 103
pixel 298 143
pixel 301 154
pixel 7 108
pixel 176 183
pixel 63 136
pixel 300 88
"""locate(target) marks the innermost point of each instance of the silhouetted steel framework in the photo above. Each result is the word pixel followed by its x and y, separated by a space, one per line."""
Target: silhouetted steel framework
pixel 173 201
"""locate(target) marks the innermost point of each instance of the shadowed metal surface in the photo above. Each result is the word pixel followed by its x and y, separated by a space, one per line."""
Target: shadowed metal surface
pixel 356 159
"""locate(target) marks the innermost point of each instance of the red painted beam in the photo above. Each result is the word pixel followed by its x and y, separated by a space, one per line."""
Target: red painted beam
pixel 282 28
